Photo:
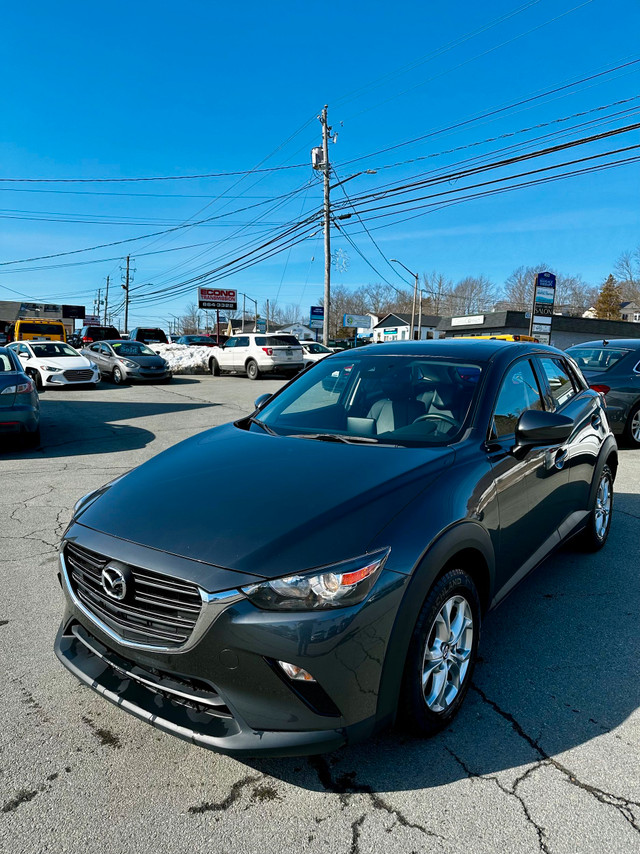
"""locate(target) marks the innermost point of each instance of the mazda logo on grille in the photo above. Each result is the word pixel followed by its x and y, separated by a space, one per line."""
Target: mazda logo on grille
pixel 114 582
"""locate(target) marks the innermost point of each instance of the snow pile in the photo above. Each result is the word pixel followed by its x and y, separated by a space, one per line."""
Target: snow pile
pixel 183 359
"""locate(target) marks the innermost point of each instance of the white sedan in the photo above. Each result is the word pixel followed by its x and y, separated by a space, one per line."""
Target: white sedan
pixel 54 363
pixel 312 351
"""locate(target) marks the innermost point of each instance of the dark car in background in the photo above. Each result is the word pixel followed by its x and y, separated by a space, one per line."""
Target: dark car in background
pixel 123 361
pixel 443 471
pixel 19 402
pixel 148 335
pixel 613 369
pixel 88 334
pixel 197 340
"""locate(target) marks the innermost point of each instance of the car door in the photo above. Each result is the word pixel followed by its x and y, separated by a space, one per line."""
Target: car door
pixel 567 394
pixel 525 482
pixel 241 352
pixel 97 355
pixel 225 355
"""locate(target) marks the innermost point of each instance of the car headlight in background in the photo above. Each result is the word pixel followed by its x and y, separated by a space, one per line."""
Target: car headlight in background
pixel 336 586
pixel 93 366
pixel 129 364
pixel 51 369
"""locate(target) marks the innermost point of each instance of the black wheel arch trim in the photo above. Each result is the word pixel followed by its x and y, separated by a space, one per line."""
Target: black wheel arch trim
pixel 464 536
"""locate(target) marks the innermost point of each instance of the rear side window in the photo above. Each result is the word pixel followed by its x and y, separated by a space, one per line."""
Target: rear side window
pixel 597 358
pixel 519 391
pixel 6 364
pixel 559 379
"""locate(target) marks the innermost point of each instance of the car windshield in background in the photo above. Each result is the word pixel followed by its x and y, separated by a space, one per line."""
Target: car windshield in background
pixel 198 339
pixel 277 341
pixel 132 348
pixel 40 328
pixel 395 400
pixel 597 358
pixel 52 350
pixel 317 348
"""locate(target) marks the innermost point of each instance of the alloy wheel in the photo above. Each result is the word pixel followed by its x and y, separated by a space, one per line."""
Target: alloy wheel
pixel 447 654
pixel 602 510
pixel 635 426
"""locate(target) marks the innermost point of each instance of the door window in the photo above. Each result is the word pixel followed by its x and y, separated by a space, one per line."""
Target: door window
pixel 519 391
pixel 559 379
pixel 241 342
pixel 230 343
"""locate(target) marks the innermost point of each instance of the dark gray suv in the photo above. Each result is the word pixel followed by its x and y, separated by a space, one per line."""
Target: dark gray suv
pixel 252 622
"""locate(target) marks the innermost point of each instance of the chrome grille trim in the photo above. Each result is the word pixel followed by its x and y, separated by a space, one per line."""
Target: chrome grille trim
pixel 152 639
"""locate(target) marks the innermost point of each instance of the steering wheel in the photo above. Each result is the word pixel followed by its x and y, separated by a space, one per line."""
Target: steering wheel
pixel 435 416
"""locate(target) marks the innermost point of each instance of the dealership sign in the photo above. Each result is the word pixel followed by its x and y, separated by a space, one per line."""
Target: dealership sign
pixel 359 321
pixel 544 295
pixel 217 298
pixel 316 317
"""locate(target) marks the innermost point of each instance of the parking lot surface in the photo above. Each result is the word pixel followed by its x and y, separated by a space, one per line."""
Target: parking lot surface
pixel 544 755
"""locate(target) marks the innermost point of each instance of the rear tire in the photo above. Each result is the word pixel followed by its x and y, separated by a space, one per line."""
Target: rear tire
pixel 442 654
pixel 632 427
pixel 253 371
pixel 214 367
pixel 32 440
pixel 36 376
pixel 595 535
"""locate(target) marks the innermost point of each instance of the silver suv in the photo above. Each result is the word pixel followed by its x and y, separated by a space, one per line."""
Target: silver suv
pixel 256 354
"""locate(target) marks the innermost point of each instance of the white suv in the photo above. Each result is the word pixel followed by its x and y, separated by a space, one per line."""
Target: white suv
pixel 256 354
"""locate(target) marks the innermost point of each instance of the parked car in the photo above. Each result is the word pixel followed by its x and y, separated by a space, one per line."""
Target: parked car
pixel 148 336
pixel 88 334
pixel 256 354
pixel 124 360
pixel 54 363
pixel 74 340
pixel 35 329
pixel 285 626
pixel 613 369
pixel 196 341
pixel 314 351
pixel 19 402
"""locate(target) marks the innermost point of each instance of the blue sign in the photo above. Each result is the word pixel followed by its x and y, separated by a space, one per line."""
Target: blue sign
pixel 390 331
pixel 316 317
pixel 261 325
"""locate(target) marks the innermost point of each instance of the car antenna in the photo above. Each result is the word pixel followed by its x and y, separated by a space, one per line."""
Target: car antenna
pixel 604 342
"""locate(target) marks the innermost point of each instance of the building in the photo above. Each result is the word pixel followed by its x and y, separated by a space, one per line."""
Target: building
pixel 395 327
pixel 12 311
pixel 630 311
pixel 565 331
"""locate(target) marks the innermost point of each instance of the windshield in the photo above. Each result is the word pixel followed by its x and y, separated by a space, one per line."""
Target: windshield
pixel 597 358
pixel 198 339
pixel 132 348
pixel 52 350
pixel 395 400
pixel 40 328
pixel 317 348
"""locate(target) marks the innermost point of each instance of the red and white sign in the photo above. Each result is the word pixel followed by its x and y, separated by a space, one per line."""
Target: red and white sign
pixel 217 298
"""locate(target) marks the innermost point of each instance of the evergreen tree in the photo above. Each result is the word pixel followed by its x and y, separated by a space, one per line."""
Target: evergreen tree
pixel 608 303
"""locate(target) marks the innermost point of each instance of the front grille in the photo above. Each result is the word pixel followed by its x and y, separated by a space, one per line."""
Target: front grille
pixel 157 610
pixel 81 375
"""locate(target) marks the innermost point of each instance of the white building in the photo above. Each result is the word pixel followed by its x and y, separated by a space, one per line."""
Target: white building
pixel 395 327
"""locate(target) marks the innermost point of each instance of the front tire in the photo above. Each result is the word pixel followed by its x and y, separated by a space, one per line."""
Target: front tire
pixel 595 535
pixel 117 376
pixel 214 367
pixel 442 655
pixel 632 427
pixel 253 372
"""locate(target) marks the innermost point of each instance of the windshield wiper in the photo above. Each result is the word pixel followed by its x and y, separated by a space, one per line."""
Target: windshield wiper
pixel 336 437
pixel 264 426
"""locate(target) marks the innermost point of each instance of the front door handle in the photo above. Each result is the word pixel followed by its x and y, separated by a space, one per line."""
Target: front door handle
pixel 596 420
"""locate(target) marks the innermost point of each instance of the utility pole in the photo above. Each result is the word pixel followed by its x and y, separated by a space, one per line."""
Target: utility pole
pixel 415 298
pixel 106 302
pixel 327 226
pixel 126 298
pixel 96 304
pixel 267 315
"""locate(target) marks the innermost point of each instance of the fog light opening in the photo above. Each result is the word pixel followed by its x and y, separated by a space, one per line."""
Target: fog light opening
pixel 295 673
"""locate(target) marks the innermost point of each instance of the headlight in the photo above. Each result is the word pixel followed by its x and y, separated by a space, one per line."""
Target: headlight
pixel 336 586
pixel 129 364
pixel 93 366
pixel 51 369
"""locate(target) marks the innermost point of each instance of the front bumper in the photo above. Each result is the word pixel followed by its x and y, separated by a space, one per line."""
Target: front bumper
pixel 51 380
pixel 258 710
pixel 146 375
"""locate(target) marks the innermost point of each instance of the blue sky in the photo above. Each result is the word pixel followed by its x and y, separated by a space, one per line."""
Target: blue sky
pixel 146 89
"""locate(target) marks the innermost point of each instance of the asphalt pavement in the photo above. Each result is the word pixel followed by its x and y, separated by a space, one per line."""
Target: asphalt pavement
pixel 544 756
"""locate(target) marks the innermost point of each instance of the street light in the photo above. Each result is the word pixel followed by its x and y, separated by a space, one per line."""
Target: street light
pixel 415 295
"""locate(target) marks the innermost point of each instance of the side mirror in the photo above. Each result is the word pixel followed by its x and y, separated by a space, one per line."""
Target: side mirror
pixel 261 400
pixel 536 428
pixel 23 355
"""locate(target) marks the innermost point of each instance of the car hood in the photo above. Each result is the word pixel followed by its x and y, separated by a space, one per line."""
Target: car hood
pixel 145 361
pixel 65 363
pixel 231 498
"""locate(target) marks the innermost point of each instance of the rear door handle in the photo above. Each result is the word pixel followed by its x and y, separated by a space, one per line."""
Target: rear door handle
pixel 596 420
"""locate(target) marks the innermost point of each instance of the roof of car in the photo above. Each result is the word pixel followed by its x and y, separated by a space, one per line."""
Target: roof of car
pixel 460 348
pixel 627 343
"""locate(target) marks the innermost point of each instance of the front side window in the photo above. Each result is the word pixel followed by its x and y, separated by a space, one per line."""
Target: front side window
pixel 230 343
pixel 560 382
pixel 242 342
pixel 519 391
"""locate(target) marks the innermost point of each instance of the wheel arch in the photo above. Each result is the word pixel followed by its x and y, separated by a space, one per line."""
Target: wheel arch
pixel 466 545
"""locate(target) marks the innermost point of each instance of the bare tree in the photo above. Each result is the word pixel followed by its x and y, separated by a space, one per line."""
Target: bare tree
pixel 191 321
pixel 627 270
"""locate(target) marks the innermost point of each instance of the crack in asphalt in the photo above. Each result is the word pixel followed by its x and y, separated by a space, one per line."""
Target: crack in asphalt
pixel 621 804
pixel 345 786
pixel 233 796
pixel 472 775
